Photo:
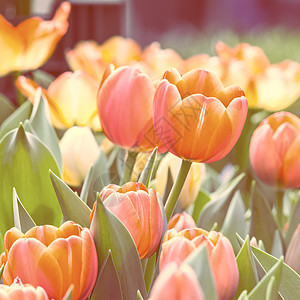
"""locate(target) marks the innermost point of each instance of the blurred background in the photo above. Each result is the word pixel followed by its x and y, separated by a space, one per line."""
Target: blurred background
pixel 189 27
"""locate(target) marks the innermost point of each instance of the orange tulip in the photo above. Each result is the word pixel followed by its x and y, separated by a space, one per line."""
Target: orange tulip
pixel 71 98
pixel 177 246
pixel 32 42
pixel 177 282
pixel 93 58
pixel 125 102
pixel 182 221
pixel 195 117
pixel 20 291
pixel 275 149
pixel 139 210
pixel 53 258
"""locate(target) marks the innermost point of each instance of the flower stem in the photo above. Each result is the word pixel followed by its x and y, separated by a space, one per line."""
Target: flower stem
pixel 20 97
pixel 128 166
pixel 279 209
pixel 177 187
pixel 149 271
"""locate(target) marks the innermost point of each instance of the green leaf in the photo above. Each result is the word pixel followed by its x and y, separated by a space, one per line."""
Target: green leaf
pixel 42 78
pixel 262 223
pixel 139 296
pixel 201 200
pixel 289 287
pixel 215 210
pixel 235 221
pixel 247 269
pixel 107 285
pixel 243 296
pixel 109 233
pixel 199 261
pixel 25 164
pixel 260 290
pixel 96 179
pixel 277 247
pixel 146 174
pixel 43 129
pixel 294 221
pixel 69 292
pixel 6 108
pixel 22 219
pixel 13 121
pixel 1 271
pixel 72 207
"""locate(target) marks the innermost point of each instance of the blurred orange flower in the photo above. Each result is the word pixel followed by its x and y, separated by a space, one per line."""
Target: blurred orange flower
pixel 195 117
pixel 139 210
pixel 275 150
pixel 30 44
pixel 53 258
pixel 71 97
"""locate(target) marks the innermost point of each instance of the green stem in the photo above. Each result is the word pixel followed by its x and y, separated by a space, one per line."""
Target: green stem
pixel 20 96
pixel 149 271
pixel 128 167
pixel 177 187
pixel 279 209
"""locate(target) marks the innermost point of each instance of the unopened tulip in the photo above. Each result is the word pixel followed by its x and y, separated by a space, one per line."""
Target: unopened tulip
pixel 292 257
pixel 177 282
pixel 177 246
pixel 20 291
pixel 30 44
pixel 125 105
pixel 71 97
pixel 275 149
pixel 139 210
pixel 182 221
pixel 192 183
pixel 79 151
pixel 195 117
pixel 53 258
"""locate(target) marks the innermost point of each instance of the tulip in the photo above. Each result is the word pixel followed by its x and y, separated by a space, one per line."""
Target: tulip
pixel 177 246
pixel 20 291
pixel 292 257
pixel 139 210
pixel 268 86
pixel 275 148
pixel 92 58
pixel 30 44
pixel 182 221
pixel 195 117
pixel 79 151
pixel 177 282
pixel 71 98
pixel 53 258
pixel 192 183
pixel 125 103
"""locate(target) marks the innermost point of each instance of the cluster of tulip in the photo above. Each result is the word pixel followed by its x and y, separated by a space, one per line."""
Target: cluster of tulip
pixel 130 208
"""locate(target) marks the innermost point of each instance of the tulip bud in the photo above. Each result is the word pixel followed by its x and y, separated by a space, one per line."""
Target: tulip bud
pixel 177 282
pixel 53 258
pixel 139 210
pixel 181 221
pixel 275 148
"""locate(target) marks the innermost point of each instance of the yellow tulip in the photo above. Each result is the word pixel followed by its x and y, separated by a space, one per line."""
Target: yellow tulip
pixel 30 44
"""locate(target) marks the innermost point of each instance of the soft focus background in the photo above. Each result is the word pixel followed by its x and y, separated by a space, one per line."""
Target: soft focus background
pixel 189 27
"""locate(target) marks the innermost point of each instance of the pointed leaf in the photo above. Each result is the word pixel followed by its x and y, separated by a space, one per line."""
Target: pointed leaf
pixel 97 178
pixel 235 221
pixel 72 207
pixel 146 174
pixel 243 296
pixel 42 78
pixel 107 285
pixel 215 210
pixel 247 269
pixel 199 261
pixel 13 121
pixel 24 164
pixel 22 219
pixel 201 200
pixel 262 224
pixel 294 220
pixel 260 290
pixel 6 108
pixel 109 233
pixel 139 296
pixel 69 292
pixel 277 248
pixel 42 127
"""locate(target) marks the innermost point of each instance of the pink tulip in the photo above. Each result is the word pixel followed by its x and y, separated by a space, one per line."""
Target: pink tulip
pixel 275 149
pixel 177 282
pixel 181 222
